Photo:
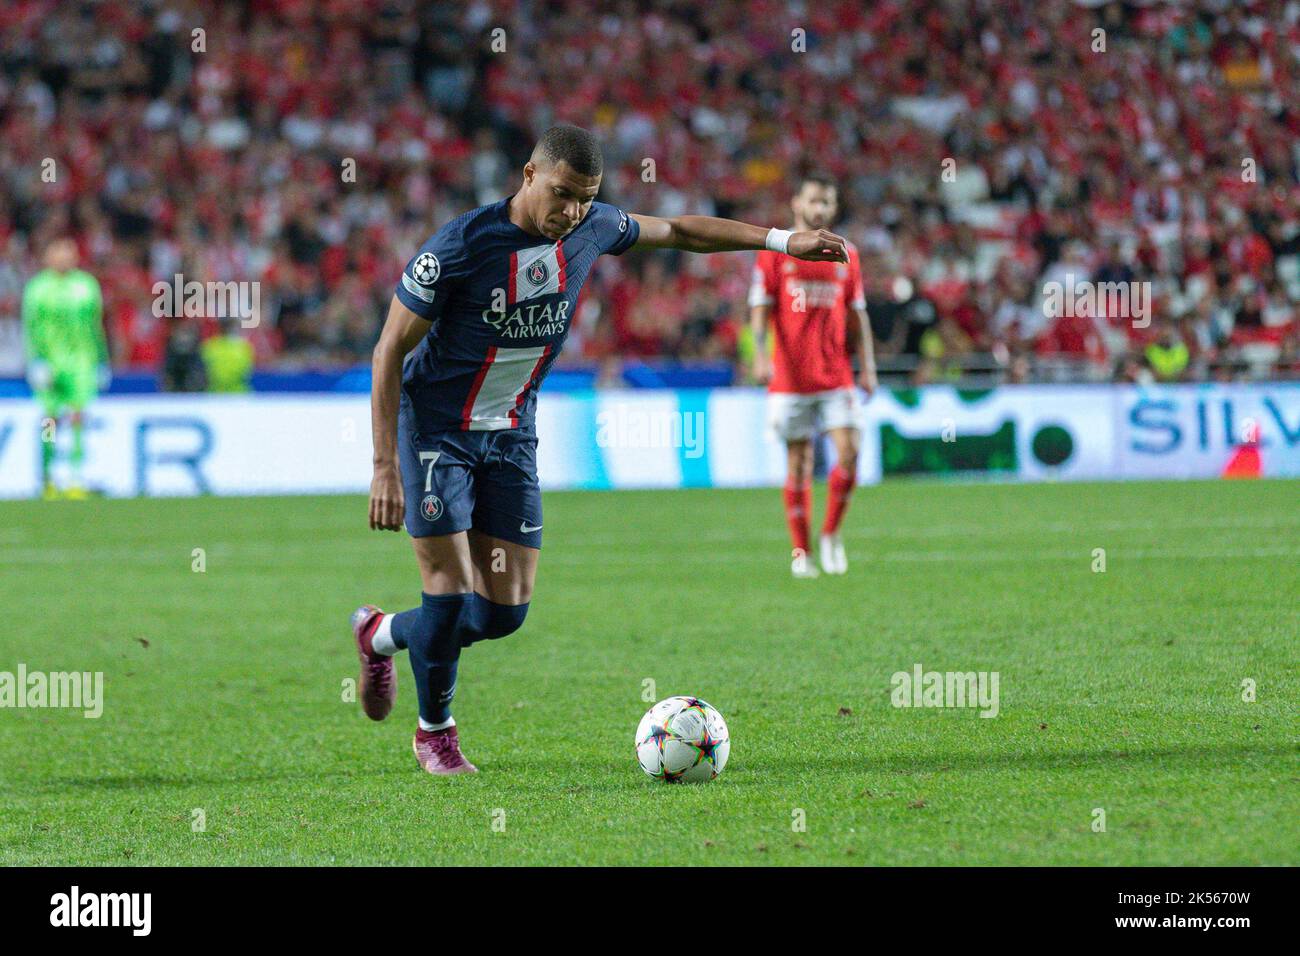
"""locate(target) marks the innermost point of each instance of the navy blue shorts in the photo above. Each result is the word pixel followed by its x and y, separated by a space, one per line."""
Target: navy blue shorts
pixel 457 480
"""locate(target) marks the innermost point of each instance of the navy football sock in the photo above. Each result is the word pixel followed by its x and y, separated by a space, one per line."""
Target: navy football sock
pixel 474 621
pixel 431 633
pixel 489 620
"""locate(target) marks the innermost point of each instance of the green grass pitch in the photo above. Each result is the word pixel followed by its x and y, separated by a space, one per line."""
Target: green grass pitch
pixel 1120 690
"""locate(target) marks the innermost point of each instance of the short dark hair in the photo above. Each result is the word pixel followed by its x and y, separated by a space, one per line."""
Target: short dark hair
pixel 817 178
pixel 573 145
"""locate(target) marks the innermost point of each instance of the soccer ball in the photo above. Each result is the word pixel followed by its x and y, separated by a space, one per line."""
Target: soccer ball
pixel 682 740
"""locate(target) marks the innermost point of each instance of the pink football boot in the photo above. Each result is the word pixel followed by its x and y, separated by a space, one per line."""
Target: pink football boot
pixel 378 685
pixel 439 752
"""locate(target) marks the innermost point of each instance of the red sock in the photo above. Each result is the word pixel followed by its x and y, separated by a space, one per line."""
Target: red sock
pixel 840 486
pixel 798 503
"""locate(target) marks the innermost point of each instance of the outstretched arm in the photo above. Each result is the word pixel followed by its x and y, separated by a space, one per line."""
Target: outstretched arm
pixel 709 234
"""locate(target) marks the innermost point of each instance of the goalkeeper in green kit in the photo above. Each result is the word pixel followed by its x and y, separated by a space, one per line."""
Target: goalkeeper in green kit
pixel 67 354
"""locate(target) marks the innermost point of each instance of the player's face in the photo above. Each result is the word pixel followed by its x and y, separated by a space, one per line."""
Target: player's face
pixel 815 206
pixel 559 197
pixel 61 255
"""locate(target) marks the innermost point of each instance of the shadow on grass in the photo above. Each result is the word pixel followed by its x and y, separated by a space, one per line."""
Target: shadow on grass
pixel 616 776
pixel 64 784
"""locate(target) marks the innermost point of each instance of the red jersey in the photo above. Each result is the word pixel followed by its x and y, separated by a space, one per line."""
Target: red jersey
pixel 810 303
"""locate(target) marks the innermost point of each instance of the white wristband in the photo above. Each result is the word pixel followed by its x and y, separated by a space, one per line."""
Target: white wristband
pixel 778 240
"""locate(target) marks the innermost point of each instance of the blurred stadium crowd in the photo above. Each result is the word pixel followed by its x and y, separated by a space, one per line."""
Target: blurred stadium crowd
pixel 1171 157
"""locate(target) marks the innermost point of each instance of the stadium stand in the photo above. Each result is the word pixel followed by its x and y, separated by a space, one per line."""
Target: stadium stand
pixel 1171 157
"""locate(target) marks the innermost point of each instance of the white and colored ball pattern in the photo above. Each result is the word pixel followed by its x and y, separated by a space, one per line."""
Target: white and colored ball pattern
pixel 682 740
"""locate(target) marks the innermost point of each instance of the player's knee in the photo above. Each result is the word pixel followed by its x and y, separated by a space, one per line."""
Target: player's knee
pixel 504 619
pixel 434 629
pixel 801 463
pixel 495 621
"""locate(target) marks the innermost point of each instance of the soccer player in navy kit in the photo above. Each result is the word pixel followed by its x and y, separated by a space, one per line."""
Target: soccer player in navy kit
pixel 477 320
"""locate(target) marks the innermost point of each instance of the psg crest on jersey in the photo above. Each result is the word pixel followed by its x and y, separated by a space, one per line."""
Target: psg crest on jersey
pixel 538 273
pixel 431 508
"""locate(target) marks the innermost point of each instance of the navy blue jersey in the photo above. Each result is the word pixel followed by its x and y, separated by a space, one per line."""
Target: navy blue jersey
pixel 500 302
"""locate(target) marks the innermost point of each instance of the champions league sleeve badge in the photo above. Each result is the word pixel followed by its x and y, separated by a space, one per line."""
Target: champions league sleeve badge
pixel 426 269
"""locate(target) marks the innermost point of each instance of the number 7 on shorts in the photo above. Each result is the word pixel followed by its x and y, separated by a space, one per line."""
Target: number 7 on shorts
pixel 429 459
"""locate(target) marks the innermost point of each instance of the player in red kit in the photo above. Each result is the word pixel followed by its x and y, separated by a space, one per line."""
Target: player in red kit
pixel 818 315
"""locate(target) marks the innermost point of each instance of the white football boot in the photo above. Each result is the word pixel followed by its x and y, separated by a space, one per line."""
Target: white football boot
pixel 834 560
pixel 801 567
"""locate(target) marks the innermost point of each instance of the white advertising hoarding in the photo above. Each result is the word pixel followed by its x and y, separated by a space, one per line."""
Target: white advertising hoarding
pixel 316 444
